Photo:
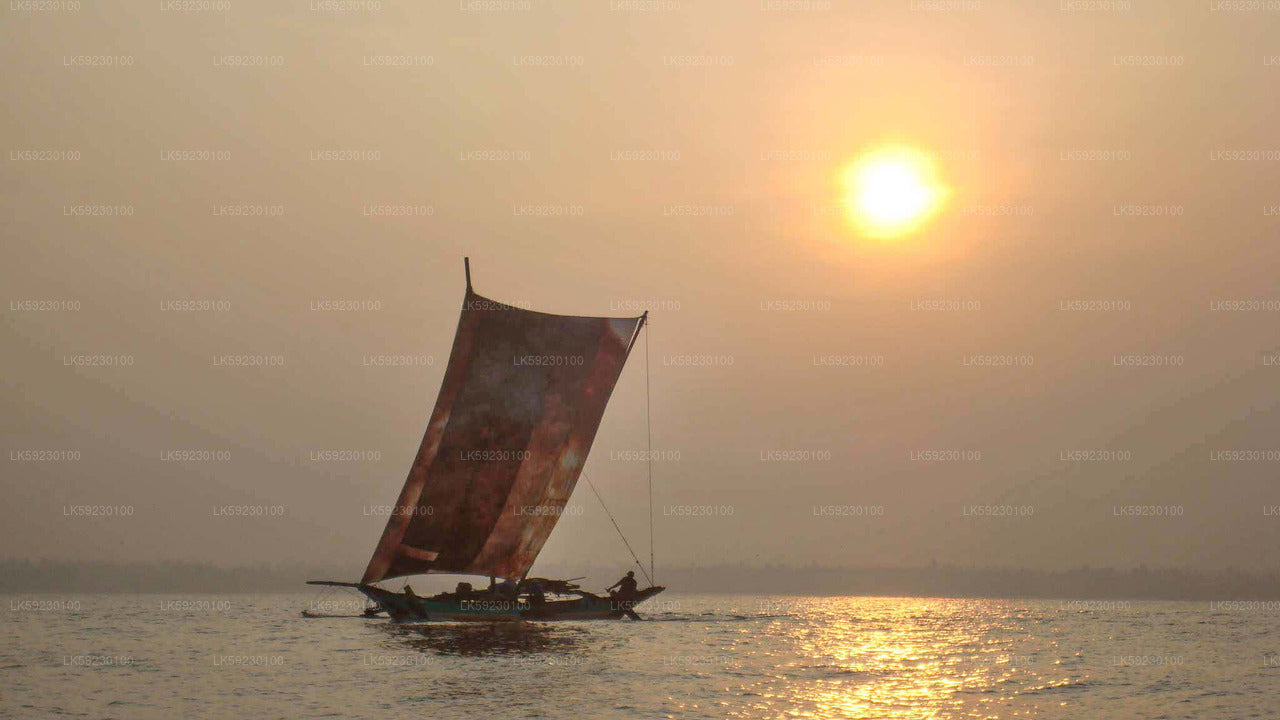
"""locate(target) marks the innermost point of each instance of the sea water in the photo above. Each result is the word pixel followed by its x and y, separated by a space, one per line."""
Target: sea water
pixel 693 656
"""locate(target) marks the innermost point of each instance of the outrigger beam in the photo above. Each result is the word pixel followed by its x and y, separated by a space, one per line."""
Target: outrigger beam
pixel 335 583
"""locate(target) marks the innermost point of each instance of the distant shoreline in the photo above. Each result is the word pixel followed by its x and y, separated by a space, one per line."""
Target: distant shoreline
pixel 19 577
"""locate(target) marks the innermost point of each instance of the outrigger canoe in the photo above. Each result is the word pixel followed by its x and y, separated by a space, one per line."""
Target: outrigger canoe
pixel 519 406
pixel 565 604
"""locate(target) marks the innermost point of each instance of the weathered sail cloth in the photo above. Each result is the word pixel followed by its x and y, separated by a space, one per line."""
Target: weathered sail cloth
pixel 519 407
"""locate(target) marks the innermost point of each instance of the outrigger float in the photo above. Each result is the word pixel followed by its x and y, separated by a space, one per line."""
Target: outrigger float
pixel 522 398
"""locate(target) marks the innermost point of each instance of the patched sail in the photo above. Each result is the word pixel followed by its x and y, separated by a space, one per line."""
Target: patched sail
pixel 521 400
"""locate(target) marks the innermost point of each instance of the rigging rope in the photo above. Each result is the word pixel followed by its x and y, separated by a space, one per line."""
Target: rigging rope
pixel 648 429
pixel 615 527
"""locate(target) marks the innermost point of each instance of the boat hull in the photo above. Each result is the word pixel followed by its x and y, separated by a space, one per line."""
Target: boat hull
pixel 412 608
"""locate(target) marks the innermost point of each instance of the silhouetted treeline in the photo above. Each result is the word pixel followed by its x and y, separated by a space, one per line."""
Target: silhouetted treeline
pixel 25 576
pixel 22 576
pixel 952 581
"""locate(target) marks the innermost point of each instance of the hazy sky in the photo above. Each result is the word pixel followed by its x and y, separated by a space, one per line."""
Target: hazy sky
pixel 508 132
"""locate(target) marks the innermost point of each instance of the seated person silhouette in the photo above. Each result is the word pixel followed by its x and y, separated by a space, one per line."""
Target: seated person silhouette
pixel 626 586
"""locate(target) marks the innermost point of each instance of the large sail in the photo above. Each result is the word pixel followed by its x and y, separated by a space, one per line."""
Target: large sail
pixel 521 400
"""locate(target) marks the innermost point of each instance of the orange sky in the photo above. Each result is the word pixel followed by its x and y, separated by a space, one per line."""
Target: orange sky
pixel 690 156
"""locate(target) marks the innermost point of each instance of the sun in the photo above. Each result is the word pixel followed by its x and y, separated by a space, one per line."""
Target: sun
pixel 891 192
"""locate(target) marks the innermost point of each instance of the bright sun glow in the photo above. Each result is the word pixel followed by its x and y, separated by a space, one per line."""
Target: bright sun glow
pixel 891 192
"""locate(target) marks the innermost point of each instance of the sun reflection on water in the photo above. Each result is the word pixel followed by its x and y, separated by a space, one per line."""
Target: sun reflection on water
pixel 905 658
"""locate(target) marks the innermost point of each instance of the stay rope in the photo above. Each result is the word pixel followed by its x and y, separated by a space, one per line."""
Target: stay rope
pixel 650 574
pixel 615 527
pixel 648 429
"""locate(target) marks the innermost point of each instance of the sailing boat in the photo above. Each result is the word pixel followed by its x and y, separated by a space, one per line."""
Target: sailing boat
pixel 521 401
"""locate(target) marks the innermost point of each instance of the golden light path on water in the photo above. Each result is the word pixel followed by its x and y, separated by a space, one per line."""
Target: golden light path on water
pixel 910 659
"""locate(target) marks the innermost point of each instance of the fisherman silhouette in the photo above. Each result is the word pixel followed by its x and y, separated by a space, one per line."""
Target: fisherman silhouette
pixel 626 586
pixel 626 593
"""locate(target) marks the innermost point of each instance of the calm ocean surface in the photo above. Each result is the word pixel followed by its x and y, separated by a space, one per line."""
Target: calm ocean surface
pixel 712 656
